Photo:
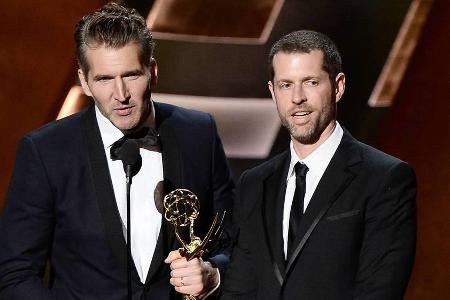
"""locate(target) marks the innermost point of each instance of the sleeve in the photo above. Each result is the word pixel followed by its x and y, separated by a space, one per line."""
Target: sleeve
pixel 26 228
pixel 240 281
pixel 388 248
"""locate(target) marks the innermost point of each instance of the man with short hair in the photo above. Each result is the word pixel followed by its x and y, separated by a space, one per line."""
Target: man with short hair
pixel 67 197
pixel 329 218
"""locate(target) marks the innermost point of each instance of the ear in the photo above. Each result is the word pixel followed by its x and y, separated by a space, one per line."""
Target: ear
pixel 339 86
pixel 84 83
pixel 270 85
pixel 153 72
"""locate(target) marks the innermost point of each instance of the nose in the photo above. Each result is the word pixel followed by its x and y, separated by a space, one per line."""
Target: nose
pixel 121 92
pixel 298 94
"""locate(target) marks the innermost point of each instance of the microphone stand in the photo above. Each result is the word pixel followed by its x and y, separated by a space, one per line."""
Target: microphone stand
pixel 128 152
pixel 129 257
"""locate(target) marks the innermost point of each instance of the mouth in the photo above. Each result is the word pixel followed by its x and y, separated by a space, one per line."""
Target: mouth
pixel 301 117
pixel 300 114
pixel 124 111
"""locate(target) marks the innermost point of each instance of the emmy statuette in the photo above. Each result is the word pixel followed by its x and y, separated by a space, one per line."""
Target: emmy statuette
pixel 181 208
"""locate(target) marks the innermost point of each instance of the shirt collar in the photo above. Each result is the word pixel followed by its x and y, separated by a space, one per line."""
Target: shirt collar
pixel 319 159
pixel 108 131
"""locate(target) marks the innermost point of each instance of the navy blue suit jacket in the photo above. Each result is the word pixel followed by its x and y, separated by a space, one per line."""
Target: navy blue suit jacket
pixel 61 206
pixel 356 238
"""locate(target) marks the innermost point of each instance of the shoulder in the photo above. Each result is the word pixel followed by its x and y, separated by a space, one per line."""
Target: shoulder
pixel 266 168
pixel 189 127
pixel 68 123
pixel 378 158
pixel 60 133
pixel 172 113
pixel 375 161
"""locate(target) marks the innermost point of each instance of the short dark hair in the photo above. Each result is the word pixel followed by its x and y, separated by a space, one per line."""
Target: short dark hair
pixel 114 26
pixel 304 41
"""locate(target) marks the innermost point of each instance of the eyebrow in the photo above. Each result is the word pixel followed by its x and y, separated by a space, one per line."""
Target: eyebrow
pixel 125 74
pixel 305 78
pixel 133 72
pixel 283 80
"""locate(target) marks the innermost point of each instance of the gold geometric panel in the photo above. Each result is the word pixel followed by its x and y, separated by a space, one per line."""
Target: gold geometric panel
pixel 392 73
pixel 226 21
pixel 247 126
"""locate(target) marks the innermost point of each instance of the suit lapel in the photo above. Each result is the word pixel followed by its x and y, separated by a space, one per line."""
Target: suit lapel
pixel 274 190
pixel 340 172
pixel 172 169
pixel 104 191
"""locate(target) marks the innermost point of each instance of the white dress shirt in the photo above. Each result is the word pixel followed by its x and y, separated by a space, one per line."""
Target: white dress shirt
pixel 316 162
pixel 145 218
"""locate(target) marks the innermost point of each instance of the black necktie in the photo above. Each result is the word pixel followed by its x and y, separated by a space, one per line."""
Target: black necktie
pixel 297 205
pixel 145 138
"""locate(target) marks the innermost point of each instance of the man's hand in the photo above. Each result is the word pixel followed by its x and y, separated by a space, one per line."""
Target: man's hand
pixel 194 277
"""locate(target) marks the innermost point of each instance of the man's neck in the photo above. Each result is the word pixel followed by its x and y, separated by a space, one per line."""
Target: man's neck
pixel 303 150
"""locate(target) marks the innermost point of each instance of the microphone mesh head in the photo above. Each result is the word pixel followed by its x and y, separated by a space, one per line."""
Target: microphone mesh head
pixel 129 152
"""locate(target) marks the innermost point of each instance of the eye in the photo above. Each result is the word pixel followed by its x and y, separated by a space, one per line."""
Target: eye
pixel 103 79
pixel 284 85
pixel 312 82
pixel 132 76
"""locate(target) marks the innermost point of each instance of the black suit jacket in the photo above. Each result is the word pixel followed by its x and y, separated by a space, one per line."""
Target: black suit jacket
pixel 61 205
pixel 357 237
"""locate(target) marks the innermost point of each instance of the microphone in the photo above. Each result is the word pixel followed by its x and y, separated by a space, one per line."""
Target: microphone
pixel 128 153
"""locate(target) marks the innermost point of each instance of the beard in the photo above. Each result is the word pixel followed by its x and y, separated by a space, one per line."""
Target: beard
pixel 310 133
